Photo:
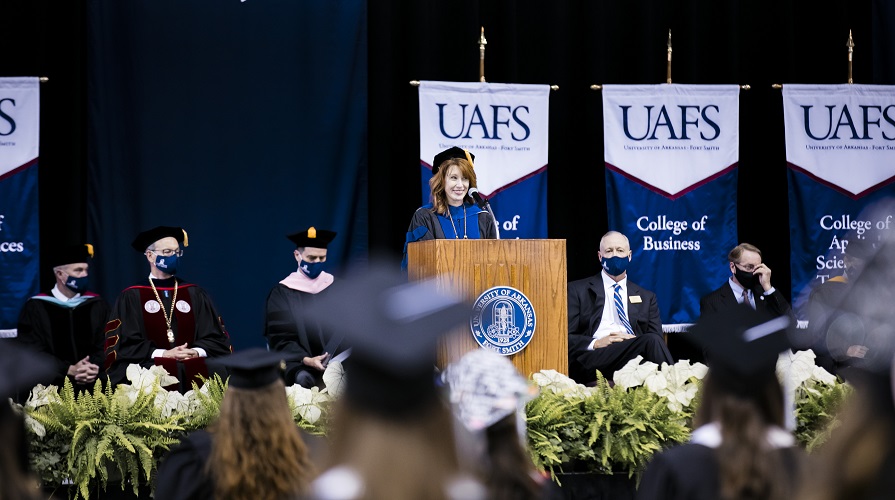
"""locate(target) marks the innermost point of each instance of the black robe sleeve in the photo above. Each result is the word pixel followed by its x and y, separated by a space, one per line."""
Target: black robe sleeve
pixel 181 473
pixel 285 332
pixel 33 332
pixel 128 340
pixel 66 334
pixel 423 227
pixel 210 333
pixel 486 226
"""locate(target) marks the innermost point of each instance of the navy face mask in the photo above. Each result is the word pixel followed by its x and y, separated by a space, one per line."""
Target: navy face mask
pixel 167 264
pixel 615 265
pixel 311 269
pixel 77 285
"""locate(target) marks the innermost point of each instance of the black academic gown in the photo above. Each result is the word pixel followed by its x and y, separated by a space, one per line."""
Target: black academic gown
pixel 67 333
pixel 181 473
pixel 468 221
pixel 690 472
pixel 137 328
pixel 289 331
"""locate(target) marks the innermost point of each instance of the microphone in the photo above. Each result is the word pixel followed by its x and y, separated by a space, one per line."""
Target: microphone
pixel 482 202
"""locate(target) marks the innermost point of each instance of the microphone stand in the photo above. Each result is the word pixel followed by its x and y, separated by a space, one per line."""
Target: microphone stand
pixel 482 202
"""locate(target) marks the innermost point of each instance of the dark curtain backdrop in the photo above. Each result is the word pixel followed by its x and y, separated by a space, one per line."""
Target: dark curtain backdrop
pixel 245 120
pixel 239 121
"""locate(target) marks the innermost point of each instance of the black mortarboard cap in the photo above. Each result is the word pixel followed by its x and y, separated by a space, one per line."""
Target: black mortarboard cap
pixel 392 327
pixel 252 368
pixel 448 154
pixel 21 368
pixel 72 254
pixel 150 236
pixel 742 347
pixel 311 237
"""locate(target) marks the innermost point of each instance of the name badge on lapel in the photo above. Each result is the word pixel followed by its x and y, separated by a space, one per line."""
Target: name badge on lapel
pixel 635 299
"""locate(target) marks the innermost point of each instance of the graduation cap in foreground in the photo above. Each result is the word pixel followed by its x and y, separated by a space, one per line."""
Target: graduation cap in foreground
pixel 485 387
pixel 252 368
pixel 21 369
pixel 72 254
pixel 315 238
pixel 392 328
pixel 150 236
pixel 449 154
pixel 742 347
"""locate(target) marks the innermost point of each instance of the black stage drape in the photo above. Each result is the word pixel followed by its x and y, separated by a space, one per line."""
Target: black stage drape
pixel 241 122
pixel 245 120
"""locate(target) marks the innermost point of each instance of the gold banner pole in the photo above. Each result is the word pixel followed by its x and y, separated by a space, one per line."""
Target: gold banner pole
pixel 668 76
pixel 668 70
pixel 482 43
pixel 851 48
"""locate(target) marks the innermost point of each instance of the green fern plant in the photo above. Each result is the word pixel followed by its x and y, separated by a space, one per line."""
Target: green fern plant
pixel 555 425
pixel 816 412
pixel 604 429
pixel 109 434
pixel 627 426
pixel 206 403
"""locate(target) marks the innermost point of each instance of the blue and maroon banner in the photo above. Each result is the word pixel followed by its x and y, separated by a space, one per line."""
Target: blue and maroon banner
pixel 505 127
pixel 840 148
pixel 671 154
pixel 19 145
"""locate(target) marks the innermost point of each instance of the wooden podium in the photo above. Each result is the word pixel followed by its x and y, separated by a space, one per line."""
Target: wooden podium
pixel 537 268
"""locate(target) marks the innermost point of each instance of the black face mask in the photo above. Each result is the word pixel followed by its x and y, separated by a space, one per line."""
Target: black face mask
pixel 747 279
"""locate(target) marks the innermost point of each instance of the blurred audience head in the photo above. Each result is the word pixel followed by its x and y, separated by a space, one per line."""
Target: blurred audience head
pixel 488 396
pixel 257 450
pixel 391 433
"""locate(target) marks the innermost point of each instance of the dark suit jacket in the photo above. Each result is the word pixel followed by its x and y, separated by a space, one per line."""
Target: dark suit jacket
pixel 772 305
pixel 586 298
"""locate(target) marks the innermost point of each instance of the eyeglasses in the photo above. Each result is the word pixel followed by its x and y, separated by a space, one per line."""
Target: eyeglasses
pixel 168 252
pixel 748 267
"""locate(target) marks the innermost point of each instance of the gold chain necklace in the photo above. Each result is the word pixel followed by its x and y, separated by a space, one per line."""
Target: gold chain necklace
pixel 168 317
pixel 456 234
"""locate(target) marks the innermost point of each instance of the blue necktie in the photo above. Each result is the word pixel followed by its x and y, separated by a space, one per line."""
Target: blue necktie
pixel 620 309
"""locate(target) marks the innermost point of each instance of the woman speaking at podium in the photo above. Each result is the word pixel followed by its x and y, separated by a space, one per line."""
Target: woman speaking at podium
pixel 452 213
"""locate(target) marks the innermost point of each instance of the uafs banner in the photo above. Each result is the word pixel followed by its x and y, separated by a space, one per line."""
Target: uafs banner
pixel 19 144
pixel 505 127
pixel 840 148
pixel 671 154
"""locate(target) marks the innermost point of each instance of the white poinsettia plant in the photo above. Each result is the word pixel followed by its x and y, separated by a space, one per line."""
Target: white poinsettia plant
pixel 799 370
pixel 552 380
pixel 678 383
pixel 800 376
pixel 40 395
pixel 307 404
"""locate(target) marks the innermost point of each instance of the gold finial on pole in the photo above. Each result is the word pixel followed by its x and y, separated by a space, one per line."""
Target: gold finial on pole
pixel 482 43
pixel 851 48
pixel 668 74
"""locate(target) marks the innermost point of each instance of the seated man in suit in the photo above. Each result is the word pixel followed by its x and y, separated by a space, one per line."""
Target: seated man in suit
pixel 750 281
pixel 606 338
